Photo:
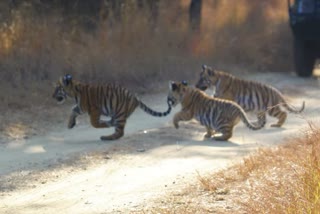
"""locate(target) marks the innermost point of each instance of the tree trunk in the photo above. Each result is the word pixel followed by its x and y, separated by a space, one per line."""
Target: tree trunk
pixel 195 14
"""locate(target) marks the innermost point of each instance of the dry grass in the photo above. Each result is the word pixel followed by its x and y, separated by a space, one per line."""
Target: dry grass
pixel 35 48
pixel 253 34
pixel 285 179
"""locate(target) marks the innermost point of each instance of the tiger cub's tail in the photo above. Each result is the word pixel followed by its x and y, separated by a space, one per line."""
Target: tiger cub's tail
pixel 148 110
pixel 291 109
pixel 255 125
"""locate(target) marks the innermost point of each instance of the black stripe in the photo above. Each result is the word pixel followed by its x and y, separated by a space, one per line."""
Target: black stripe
pixel 258 99
pixel 250 101
pixel 88 97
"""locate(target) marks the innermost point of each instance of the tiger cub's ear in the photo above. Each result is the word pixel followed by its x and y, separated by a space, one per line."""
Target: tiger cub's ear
pixel 185 83
pixel 67 79
pixel 204 67
pixel 210 71
pixel 173 86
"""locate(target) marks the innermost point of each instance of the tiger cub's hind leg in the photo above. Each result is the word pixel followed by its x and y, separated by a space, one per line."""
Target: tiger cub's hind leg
pixel 119 130
pixel 278 113
pixel 224 133
pixel 209 133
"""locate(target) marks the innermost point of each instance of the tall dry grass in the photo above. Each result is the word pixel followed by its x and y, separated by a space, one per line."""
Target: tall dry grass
pixel 35 49
pixel 253 34
pixel 39 47
pixel 281 180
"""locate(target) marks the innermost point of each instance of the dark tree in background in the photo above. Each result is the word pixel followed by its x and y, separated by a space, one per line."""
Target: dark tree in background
pixel 153 7
pixel 195 14
pixel 89 12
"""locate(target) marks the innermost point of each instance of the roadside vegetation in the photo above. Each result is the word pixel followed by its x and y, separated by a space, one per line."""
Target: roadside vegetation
pixel 285 179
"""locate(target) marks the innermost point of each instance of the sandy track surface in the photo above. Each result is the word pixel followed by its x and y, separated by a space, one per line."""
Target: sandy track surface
pixel 72 171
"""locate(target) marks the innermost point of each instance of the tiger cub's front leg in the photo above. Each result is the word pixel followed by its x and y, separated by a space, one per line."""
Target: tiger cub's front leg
pixel 74 114
pixel 181 116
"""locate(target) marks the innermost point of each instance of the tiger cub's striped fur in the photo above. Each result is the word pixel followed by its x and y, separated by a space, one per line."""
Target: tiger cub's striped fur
pixel 109 100
pixel 250 95
pixel 217 115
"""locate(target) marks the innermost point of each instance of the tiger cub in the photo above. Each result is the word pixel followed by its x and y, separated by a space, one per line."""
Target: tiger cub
pixel 250 95
pixel 109 100
pixel 217 115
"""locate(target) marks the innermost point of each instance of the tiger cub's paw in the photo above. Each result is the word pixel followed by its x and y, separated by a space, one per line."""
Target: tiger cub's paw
pixel 207 135
pixel 71 124
pixel 176 125
pixel 275 125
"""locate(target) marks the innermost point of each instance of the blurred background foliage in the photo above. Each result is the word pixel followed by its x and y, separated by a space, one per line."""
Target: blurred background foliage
pixel 139 43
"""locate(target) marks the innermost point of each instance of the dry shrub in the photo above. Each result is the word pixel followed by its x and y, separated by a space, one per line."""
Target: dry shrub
pixel 285 179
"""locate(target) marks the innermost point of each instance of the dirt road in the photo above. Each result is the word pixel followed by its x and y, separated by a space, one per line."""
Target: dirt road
pixel 72 171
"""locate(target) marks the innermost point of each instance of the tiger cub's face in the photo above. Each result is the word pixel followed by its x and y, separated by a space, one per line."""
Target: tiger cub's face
pixel 61 89
pixel 208 78
pixel 177 90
